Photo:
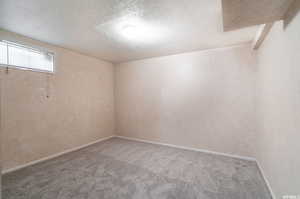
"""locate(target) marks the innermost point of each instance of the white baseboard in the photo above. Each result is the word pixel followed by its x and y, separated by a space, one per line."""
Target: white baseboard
pixel 210 152
pixel 54 155
pixel 188 148
pixel 145 141
pixel 266 180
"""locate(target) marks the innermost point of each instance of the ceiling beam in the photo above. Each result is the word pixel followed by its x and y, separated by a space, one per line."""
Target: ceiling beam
pixel 291 12
pixel 261 35
pixel 244 13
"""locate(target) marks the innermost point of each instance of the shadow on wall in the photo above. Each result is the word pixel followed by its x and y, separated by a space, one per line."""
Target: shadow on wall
pixel 291 13
pixel 0 135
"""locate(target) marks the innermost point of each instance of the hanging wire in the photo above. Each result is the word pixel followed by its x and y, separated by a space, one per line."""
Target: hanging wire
pixel 47 85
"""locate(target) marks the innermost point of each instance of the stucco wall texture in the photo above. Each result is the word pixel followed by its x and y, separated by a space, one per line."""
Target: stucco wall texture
pixel 79 110
pixel 204 99
pixel 278 95
pixel 231 100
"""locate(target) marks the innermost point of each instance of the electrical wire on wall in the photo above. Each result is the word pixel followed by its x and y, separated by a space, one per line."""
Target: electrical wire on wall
pixel 48 85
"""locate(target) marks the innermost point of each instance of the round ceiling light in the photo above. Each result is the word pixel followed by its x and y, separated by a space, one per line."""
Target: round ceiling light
pixel 135 29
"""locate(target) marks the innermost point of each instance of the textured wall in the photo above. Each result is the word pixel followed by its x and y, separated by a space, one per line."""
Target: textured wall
pixel 80 108
pixel 279 108
pixel 203 99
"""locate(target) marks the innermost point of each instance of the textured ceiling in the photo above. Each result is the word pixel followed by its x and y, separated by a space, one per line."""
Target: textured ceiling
pixel 87 26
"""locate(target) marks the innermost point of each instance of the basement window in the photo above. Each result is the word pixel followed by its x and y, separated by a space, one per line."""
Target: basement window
pixel 24 57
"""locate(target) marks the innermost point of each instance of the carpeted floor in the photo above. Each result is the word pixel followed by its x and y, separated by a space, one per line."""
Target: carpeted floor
pixel 123 169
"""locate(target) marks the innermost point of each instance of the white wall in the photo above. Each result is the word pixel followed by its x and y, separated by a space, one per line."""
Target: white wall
pixel 220 100
pixel 202 99
pixel 79 110
pixel 278 147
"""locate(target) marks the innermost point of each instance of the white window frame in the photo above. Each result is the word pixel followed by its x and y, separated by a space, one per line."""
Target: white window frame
pixel 34 49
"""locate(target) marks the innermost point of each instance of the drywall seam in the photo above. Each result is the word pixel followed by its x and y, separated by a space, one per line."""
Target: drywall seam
pixel 266 180
pixel 54 155
pixel 189 148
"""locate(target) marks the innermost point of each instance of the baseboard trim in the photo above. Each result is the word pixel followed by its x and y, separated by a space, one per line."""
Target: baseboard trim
pixel 189 148
pixel 266 180
pixel 210 152
pixel 145 141
pixel 5 171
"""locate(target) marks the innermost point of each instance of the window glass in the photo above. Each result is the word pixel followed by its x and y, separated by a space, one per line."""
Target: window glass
pixel 3 53
pixel 26 57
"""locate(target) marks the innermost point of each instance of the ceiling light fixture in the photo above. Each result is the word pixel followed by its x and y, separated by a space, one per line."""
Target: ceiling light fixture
pixel 135 29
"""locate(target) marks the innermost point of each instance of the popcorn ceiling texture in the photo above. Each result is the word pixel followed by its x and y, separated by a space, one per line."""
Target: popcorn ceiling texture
pixel 191 25
pixel 198 99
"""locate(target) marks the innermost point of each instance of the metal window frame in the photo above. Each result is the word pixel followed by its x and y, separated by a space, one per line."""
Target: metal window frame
pixel 34 49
